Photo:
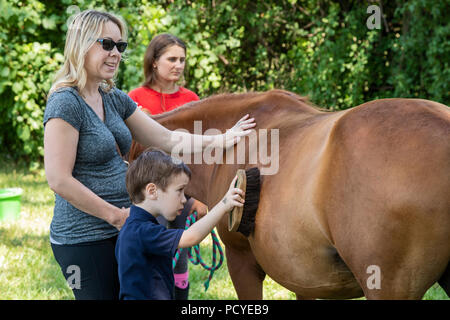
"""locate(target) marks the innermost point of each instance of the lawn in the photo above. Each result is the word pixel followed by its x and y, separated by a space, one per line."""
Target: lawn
pixel 29 271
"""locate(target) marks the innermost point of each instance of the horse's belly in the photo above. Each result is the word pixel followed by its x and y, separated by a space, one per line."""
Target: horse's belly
pixel 310 268
pixel 292 246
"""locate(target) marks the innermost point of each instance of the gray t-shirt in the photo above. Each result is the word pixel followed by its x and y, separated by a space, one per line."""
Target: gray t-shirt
pixel 98 165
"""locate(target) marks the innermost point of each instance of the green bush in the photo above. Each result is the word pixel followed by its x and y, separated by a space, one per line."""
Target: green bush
pixel 322 49
pixel 27 63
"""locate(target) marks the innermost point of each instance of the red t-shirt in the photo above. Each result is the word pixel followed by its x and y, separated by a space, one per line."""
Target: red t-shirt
pixel 156 102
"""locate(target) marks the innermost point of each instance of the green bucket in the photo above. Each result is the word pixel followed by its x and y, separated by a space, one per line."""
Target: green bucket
pixel 10 203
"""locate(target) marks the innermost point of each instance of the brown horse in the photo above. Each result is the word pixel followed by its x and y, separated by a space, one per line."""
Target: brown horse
pixel 360 202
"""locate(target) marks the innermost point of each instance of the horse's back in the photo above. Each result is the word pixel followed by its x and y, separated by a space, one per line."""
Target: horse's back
pixel 400 145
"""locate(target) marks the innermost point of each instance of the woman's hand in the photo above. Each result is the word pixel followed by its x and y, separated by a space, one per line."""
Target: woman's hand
pixel 200 208
pixel 148 132
pixel 119 218
pixel 234 197
pixel 240 129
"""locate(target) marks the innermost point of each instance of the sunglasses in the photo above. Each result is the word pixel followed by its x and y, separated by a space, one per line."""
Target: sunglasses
pixel 108 45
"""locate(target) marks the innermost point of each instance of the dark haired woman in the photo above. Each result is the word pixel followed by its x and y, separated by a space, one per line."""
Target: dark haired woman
pixel 164 63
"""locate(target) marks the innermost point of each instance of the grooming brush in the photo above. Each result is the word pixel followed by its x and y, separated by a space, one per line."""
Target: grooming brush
pixel 242 219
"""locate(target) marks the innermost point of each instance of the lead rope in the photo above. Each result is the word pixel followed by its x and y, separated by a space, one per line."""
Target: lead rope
pixel 198 258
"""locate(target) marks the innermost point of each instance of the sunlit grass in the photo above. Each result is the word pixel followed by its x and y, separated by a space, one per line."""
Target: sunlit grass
pixel 27 267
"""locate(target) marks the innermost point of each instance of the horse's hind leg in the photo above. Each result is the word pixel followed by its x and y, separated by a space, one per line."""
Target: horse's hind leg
pixel 246 274
pixel 395 254
pixel 444 281
pixel 396 269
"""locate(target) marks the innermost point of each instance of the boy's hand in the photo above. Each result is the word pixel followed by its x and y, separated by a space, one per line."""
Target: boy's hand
pixel 234 197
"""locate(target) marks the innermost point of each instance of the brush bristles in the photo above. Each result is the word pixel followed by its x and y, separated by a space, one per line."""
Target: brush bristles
pixel 252 191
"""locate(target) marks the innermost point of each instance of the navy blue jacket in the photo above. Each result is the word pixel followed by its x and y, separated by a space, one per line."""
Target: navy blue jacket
pixel 144 252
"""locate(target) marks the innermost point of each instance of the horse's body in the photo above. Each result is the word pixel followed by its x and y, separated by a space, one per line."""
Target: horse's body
pixel 359 194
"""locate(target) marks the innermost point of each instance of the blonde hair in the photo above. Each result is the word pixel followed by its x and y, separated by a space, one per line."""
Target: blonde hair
pixel 82 33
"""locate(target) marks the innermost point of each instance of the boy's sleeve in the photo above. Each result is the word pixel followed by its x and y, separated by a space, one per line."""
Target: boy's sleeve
pixel 158 240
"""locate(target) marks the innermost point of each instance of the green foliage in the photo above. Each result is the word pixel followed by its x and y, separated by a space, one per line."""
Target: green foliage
pixel 322 49
pixel 27 63
pixel 421 51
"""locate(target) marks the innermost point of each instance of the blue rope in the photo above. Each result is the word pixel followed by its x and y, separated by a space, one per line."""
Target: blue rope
pixel 198 258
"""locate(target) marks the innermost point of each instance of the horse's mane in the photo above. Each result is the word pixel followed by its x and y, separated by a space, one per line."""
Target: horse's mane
pixel 303 101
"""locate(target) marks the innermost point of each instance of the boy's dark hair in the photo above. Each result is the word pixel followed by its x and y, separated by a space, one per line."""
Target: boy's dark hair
pixel 155 166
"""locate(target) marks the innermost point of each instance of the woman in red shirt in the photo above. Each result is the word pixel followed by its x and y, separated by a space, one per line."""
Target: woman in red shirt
pixel 164 64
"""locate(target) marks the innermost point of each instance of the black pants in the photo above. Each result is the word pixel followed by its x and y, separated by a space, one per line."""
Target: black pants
pixel 90 269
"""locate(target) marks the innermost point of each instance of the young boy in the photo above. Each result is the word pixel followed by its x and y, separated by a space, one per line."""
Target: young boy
pixel 144 249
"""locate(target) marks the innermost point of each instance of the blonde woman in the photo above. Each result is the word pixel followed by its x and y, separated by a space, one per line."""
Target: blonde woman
pixel 88 125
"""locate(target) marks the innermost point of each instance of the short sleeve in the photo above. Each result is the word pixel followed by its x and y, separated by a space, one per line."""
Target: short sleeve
pixel 158 240
pixel 132 94
pixel 195 97
pixel 64 104
pixel 189 95
pixel 126 105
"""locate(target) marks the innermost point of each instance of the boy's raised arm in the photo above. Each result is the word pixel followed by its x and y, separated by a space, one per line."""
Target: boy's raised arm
pixel 199 230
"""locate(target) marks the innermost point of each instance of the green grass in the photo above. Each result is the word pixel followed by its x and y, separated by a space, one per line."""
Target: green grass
pixel 29 271
pixel 27 267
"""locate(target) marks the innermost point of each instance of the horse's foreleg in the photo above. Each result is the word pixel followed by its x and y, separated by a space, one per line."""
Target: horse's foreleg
pixel 246 274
